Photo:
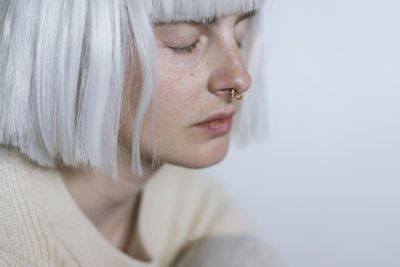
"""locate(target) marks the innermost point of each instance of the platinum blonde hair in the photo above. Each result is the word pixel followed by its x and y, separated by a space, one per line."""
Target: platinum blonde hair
pixel 63 66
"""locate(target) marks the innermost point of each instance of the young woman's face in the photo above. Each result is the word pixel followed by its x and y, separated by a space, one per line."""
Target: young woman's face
pixel 198 66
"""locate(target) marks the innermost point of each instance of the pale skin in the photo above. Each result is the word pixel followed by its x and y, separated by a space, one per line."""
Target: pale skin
pixel 191 87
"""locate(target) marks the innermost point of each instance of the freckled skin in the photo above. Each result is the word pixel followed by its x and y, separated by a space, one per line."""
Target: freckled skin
pixel 191 88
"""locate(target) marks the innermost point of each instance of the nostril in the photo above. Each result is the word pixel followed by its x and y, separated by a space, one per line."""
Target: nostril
pixel 224 92
pixel 227 93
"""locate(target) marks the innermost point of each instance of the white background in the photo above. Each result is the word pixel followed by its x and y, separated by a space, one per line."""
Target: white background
pixel 324 187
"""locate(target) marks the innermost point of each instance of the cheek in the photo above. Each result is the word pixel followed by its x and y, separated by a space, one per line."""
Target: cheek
pixel 175 93
pixel 180 104
pixel 174 98
pixel 178 92
pixel 182 101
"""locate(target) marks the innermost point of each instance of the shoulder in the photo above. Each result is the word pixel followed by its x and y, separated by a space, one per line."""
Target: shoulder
pixel 234 250
pixel 181 206
pixel 7 259
pixel 197 200
pixel 24 229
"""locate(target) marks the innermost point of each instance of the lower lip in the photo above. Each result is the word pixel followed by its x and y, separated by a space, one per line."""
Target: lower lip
pixel 217 127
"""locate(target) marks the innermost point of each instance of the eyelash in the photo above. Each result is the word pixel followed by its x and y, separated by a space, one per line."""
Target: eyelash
pixel 188 49
pixel 185 50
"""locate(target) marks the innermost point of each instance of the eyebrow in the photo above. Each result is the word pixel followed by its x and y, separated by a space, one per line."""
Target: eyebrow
pixel 209 20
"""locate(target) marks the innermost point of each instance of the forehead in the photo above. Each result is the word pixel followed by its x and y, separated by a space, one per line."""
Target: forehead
pixel 198 10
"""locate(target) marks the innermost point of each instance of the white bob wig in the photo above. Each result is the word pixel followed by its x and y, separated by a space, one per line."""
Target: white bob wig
pixel 63 67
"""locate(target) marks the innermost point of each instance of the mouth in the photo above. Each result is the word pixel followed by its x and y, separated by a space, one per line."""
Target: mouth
pixel 218 124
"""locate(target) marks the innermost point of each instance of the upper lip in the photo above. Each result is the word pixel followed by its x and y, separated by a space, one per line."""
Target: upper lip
pixel 218 116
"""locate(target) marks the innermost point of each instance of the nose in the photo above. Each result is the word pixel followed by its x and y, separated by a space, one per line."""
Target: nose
pixel 229 73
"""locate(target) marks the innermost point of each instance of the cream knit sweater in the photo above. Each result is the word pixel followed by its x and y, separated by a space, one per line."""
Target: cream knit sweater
pixel 41 225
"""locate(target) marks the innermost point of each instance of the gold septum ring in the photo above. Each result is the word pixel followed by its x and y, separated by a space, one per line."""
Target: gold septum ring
pixel 235 96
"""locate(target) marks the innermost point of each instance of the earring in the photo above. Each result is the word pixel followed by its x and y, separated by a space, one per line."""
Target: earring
pixel 236 97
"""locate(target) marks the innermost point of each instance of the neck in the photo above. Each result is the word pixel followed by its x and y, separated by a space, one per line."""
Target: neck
pixel 112 206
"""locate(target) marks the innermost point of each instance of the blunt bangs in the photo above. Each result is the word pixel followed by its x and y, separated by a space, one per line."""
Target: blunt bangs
pixel 166 11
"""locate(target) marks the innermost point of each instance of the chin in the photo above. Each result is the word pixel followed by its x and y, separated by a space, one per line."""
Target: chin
pixel 200 155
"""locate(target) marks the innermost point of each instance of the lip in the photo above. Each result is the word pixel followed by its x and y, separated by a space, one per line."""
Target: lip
pixel 218 124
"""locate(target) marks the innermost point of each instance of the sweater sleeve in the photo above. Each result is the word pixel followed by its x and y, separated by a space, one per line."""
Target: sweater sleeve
pixel 184 207
pixel 9 260
pixel 229 250
pixel 222 234
pixel 24 231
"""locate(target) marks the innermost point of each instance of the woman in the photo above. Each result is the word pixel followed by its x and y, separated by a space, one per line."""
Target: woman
pixel 98 98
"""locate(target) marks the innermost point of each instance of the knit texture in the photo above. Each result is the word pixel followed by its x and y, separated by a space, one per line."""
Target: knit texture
pixel 41 225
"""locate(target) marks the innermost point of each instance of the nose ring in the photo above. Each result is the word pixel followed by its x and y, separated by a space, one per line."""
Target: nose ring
pixel 235 96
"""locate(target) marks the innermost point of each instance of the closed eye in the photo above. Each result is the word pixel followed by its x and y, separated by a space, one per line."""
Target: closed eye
pixel 186 49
